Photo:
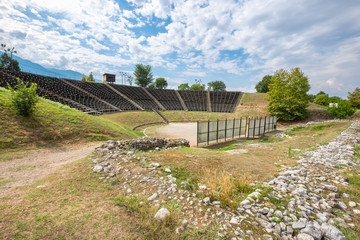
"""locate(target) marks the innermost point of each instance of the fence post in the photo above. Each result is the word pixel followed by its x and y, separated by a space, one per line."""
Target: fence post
pixel 254 127
pixel 233 128
pixel 197 134
pixel 240 127
pixel 217 131
pixel 225 128
pixel 208 132
pixel 265 126
pixel 248 126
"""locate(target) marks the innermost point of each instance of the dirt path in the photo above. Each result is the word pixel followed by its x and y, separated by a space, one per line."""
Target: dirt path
pixel 25 171
pixel 178 130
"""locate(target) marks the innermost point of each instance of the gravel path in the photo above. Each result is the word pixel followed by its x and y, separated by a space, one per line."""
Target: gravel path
pixel 27 170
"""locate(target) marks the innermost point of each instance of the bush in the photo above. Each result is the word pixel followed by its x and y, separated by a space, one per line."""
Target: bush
pixel 24 98
pixel 343 110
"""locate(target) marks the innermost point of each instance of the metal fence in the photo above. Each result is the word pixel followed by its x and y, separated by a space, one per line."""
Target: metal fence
pixel 211 131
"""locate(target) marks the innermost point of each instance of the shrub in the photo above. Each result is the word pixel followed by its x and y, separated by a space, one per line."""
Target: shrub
pixel 24 98
pixel 342 110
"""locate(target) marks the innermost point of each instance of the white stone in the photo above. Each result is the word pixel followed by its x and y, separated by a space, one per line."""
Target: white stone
pixel 162 214
pixel 152 197
pixel 98 168
pixel 304 236
pixel 352 204
pixel 167 170
pixel 234 221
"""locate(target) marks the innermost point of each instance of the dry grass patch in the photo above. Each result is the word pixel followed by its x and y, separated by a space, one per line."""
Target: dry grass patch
pixel 72 204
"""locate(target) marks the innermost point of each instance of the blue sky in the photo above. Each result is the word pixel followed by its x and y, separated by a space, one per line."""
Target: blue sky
pixel 237 42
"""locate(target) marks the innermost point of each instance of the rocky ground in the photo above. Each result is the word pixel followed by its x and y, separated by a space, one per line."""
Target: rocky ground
pixel 297 204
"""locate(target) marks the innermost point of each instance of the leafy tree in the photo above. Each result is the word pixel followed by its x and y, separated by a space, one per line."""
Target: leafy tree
pixel 287 94
pixel 263 85
pixel 216 86
pixel 354 98
pixel 159 83
pixel 197 87
pixel 143 75
pixel 322 92
pixel 312 97
pixel 90 78
pixel 5 62
pixel 83 78
pixel 334 99
pixel 184 86
pixel 24 98
pixel 342 110
pixel 322 99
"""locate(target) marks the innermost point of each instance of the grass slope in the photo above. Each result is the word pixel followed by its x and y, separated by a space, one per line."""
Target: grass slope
pixel 53 123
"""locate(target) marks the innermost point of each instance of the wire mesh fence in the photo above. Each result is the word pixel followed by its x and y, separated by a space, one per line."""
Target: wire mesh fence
pixel 219 130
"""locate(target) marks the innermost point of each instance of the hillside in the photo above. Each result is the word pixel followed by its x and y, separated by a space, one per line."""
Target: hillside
pixel 54 123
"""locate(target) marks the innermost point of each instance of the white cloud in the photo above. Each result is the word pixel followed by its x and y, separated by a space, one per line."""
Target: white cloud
pixel 320 37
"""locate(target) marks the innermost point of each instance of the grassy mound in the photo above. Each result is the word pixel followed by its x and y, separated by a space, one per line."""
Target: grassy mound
pixel 53 123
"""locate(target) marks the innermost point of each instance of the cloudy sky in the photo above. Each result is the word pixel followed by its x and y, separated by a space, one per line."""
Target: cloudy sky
pixel 237 42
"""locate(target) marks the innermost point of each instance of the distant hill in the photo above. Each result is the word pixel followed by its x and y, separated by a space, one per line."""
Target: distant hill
pixel 30 67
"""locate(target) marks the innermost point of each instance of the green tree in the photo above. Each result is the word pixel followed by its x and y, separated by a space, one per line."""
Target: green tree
pixel 24 98
pixel 197 87
pixel 159 83
pixel 354 98
pixel 5 62
pixel 83 78
pixel 263 85
pixel 216 86
pixel 90 78
pixel 184 86
pixel 342 110
pixel 312 97
pixel 322 99
pixel 143 75
pixel 287 94
pixel 322 92
pixel 334 99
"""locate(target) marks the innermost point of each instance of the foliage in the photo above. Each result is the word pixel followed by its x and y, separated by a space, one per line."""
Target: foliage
pixel 24 98
pixel 334 99
pixel 322 92
pixel 217 86
pixel 342 110
pixel 184 86
pixel 197 87
pixel 311 97
pixel 287 94
pixel 143 75
pixel 83 78
pixel 263 85
pixel 5 62
pixel 354 98
pixel 159 83
pixel 322 99
pixel 90 78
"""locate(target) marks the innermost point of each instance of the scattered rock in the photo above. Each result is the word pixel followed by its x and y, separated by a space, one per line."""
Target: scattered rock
pixel 161 214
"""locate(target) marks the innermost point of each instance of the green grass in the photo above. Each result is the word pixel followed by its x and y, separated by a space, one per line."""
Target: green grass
pixel 320 127
pixel 254 99
pixel 293 130
pixel 53 123
pixel 2 183
pixel 182 175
